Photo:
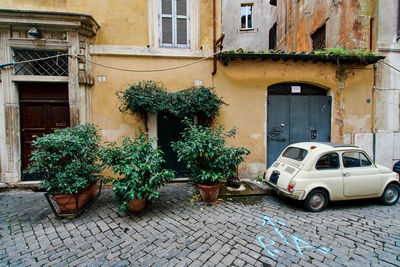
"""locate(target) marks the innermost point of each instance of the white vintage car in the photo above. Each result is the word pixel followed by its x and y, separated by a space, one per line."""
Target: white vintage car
pixel 316 173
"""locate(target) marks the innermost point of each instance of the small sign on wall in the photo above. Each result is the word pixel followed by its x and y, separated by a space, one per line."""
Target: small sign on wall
pixel 296 89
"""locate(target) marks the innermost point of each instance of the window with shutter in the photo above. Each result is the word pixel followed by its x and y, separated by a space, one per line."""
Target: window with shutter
pixel 174 23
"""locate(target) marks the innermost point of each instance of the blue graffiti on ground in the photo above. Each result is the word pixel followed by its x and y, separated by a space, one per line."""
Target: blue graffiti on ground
pixel 300 244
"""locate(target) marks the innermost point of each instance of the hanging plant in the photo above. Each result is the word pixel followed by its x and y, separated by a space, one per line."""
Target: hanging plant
pixel 151 97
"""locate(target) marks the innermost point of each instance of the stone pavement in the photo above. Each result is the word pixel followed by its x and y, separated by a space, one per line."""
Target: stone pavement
pixel 177 230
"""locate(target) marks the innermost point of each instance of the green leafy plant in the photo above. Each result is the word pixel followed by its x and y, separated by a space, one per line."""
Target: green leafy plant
pixel 344 52
pixel 206 154
pixel 138 166
pixel 67 159
pixel 152 97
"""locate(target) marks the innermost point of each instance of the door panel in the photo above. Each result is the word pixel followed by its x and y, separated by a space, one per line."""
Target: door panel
pixel 278 126
pixel 361 181
pixel 59 116
pixel 168 130
pixel 299 118
pixel 43 108
pixel 320 118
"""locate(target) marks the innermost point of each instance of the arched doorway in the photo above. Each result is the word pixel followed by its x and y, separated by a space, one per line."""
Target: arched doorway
pixel 296 112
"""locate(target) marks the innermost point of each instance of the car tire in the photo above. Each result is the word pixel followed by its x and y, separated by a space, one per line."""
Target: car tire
pixel 316 200
pixel 391 194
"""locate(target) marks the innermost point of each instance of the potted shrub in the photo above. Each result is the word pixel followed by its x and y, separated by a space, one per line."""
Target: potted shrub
pixel 67 161
pixel 208 158
pixel 138 165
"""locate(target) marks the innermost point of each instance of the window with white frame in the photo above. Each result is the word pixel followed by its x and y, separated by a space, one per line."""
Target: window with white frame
pixel 246 16
pixel 174 23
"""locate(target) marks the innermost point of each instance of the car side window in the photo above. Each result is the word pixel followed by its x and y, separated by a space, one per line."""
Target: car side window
pixel 364 160
pixel 328 161
pixel 355 159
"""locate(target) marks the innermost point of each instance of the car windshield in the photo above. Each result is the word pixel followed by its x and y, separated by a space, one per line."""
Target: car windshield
pixel 295 153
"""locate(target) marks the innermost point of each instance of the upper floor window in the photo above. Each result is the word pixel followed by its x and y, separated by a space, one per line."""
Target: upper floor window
pixel 174 23
pixel 246 16
pixel 319 38
pixel 272 37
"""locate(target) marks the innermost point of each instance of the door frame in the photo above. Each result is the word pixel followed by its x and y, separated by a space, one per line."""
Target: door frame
pixel 75 31
pixel 152 128
pixel 328 93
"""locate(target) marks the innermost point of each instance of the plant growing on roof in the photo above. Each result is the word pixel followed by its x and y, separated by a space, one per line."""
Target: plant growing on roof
pixel 206 154
pixel 138 165
pixel 152 97
pixel 67 159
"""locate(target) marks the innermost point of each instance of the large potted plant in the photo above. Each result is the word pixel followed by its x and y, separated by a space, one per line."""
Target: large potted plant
pixel 67 161
pixel 138 167
pixel 208 158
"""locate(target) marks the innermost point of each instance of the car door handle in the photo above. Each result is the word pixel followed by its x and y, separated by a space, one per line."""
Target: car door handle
pixel 346 174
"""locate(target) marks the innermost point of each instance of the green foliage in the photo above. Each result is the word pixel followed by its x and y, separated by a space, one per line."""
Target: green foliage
pixel 344 52
pixel 206 154
pixel 148 96
pixel 139 166
pixel 67 159
pixel 328 52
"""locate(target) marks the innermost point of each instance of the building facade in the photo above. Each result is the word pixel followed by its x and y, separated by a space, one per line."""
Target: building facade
pixel 249 25
pixel 95 48
pixel 374 25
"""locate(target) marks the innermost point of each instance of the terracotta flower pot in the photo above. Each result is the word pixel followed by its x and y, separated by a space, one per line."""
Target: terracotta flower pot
pixel 67 202
pixel 136 204
pixel 209 193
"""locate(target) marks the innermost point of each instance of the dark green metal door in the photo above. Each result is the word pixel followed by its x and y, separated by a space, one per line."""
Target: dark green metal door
pixel 168 130
pixel 296 117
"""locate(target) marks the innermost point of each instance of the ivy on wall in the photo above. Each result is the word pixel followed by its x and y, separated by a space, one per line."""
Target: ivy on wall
pixel 151 97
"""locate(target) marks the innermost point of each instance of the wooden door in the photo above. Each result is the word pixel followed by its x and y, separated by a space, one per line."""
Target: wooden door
pixel 43 108
pixel 169 130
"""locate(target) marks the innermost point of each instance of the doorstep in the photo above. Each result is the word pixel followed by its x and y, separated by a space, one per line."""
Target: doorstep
pixel 180 180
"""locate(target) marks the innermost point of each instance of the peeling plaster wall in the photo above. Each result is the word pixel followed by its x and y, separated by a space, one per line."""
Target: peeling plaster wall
pixel 347 23
pixel 264 17
pixel 387 93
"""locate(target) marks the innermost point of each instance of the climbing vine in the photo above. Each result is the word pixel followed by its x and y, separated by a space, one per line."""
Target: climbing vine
pixel 151 97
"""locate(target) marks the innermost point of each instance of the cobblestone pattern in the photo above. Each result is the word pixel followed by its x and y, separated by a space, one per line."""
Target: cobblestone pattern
pixel 174 231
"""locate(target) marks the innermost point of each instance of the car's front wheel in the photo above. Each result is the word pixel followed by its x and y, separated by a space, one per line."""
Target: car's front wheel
pixel 316 200
pixel 391 194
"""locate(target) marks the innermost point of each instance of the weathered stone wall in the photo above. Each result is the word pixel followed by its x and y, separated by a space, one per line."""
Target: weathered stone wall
pixel 347 23
pixel 264 17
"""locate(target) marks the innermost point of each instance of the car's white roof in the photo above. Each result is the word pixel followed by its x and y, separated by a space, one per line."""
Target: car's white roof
pixel 323 146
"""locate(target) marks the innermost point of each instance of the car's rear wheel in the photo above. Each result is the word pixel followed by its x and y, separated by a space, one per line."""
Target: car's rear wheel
pixel 316 200
pixel 391 194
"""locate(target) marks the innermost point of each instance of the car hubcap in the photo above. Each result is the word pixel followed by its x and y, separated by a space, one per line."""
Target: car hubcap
pixel 391 194
pixel 317 201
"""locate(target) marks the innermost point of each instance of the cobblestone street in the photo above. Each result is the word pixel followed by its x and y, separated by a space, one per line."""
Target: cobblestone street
pixel 177 230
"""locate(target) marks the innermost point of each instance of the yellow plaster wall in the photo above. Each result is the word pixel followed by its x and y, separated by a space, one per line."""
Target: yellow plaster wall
pixel 242 85
pixel 118 20
pixel 122 22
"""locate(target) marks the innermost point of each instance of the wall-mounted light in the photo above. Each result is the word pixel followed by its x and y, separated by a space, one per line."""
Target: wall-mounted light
pixel 34 32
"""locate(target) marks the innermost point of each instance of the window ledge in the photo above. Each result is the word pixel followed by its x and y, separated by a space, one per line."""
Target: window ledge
pixel 148 51
pixel 246 30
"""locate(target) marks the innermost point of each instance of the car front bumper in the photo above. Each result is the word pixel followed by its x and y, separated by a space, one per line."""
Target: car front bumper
pixel 296 194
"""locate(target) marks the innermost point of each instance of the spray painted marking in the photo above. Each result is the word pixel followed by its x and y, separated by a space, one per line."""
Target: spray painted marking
pixel 300 244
